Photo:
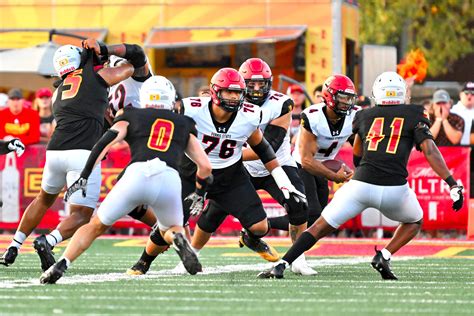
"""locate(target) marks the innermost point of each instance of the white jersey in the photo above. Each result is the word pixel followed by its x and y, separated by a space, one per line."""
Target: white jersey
pixel 222 142
pixel 125 93
pixel 276 105
pixel 330 137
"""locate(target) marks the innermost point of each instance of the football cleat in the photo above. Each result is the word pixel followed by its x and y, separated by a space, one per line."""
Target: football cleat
pixel 187 255
pixel 265 251
pixel 383 266
pixel 44 251
pixel 9 256
pixel 300 266
pixel 276 272
pixel 54 273
pixel 139 268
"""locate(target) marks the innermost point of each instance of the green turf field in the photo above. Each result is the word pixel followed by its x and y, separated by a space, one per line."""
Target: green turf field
pixel 96 284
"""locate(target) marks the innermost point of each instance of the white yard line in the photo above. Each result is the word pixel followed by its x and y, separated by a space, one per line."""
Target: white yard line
pixel 114 277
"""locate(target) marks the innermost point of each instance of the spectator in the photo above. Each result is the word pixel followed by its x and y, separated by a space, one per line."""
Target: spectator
pixel 43 104
pixel 465 109
pixel 447 128
pixel 363 102
pixel 204 91
pixel 19 122
pixel 296 92
pixel 318 94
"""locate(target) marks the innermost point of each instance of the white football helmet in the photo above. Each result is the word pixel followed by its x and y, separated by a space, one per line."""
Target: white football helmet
pixel 67 58
pixel 157 92
pixel 389 88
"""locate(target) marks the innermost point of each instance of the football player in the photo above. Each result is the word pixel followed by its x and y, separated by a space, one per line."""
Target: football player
pixel 79 104
pixel 158 139
pixel 13 145
pixel 225 122
pixel 385 136
pixel 276 117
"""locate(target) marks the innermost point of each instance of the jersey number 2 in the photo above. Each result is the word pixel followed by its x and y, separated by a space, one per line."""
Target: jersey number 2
pixel 74 81
pixel 160 135
pixel 375 135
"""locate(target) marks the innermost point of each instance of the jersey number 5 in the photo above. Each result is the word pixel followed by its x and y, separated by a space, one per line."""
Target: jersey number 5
pixel 74 81
pixel 160 135
pixel 375 135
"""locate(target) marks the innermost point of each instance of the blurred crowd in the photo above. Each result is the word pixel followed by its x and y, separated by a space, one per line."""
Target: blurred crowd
pixel 33 121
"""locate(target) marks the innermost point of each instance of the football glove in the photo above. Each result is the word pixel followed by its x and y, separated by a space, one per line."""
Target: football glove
pixel 457 197
pixel 17 146
pixel 80 184
pixel 286 187
pixel 197 203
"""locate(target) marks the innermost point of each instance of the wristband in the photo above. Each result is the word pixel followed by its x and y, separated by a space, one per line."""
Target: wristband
pixel 450 181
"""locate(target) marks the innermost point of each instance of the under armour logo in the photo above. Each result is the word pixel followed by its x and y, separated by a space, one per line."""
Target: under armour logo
pixel 221 129
pixel 335 133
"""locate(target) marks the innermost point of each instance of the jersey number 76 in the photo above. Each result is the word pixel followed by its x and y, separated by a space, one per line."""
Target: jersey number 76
pixel 375 134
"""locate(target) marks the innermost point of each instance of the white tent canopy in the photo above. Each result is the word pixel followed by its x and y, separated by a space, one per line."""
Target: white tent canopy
pixel 28 68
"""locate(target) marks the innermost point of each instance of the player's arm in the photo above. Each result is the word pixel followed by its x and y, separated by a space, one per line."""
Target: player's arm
pixel 266 154
pixel 308 146
pixel 437 163
pixel 115 134
pixel 12 145
pixel 203 175
pixel 357 150
pixel 274 133
pixel 131 52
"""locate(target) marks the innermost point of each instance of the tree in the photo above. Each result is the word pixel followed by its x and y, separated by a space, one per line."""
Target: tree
pixel 442 29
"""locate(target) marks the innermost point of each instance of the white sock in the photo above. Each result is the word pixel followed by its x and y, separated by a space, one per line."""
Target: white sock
pixel 196 250
pixel 18 240
pixel 386 254
pixel 54 238
pixel 68 262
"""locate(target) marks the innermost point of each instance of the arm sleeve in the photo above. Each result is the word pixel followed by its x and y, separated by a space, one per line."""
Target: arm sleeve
pixel 275 135
pixel 4 147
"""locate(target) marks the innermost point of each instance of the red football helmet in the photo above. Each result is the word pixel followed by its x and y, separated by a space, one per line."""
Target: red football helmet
pixel 339 94
pixel 256 70
pixel 227 79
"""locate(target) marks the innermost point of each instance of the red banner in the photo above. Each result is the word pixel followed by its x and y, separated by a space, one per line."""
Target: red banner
pixel 432 192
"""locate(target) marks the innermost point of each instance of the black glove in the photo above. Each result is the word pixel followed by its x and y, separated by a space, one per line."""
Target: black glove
pixel 457 196
pixel 80 184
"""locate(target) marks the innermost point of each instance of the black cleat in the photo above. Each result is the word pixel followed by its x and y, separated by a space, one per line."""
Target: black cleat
pixel 44 251
pixel 383 266
pixel 275 272
pixel 9 256
pixel 264 250
pixel 54 273
pixel 187 254
pixel 139 268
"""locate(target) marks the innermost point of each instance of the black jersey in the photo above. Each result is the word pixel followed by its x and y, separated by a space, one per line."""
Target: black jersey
pixel 156 133
pixel 388 134
pixel 79 107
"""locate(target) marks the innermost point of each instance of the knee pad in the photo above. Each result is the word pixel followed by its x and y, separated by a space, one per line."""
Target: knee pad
pixel 258 236
pixel 297 212
pixel 138 212
pixel 156 237
pixel 208 223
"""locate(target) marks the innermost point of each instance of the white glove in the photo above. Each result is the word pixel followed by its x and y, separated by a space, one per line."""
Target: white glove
pixel 197 203
pixel 17 146
pixel 286 187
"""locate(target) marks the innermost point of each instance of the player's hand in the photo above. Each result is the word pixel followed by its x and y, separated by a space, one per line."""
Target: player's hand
pixel 290 192
pixel 457 197
pixel 344 174
pixel 17 146
pixel 197 203
pixel 91 43
pixel 80 184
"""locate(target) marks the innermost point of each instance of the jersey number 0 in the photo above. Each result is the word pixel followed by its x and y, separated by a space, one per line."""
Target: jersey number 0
pixel 161 134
